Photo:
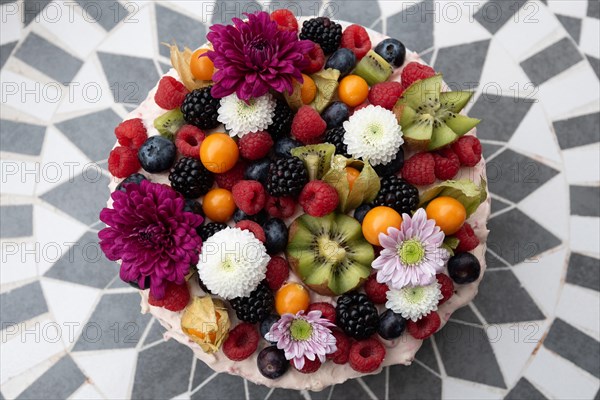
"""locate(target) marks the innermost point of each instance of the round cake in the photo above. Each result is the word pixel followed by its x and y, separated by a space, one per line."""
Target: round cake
pixel 299 201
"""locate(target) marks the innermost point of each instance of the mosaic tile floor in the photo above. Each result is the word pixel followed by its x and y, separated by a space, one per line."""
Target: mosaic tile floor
pixel 70 71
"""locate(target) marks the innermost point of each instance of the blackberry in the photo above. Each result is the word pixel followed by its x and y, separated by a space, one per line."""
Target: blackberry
pixel 287 177
pixel 206 231
pixel 256 307
pixel 323 31
pixel 392 167
pixel 200 109
pixel 357 315
pixel 335 136
pixel 190 178
pixel 134 178
pixel 282 120
pixel 397 194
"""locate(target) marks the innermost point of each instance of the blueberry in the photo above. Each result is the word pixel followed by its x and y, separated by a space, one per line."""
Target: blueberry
pixel 335 114
pixel 157 154
pixel 258 171
pixel 361 211
pixel 284 145
pixel 133 178
pixel 277 235
pixel 259 218
pixel 343 60
pixel 193 206
pixel 392 167
pixel 272 363
pixel 267 323
pixel 391 325
pixel 464 268
pixel 392 51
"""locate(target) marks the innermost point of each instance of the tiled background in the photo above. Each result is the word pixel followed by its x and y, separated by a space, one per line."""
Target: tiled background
pixel 70 71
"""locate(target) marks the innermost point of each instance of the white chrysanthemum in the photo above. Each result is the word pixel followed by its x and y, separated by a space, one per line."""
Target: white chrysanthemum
pixel 414 302
pixel 232 263
pixel 241 118
pixel 373 133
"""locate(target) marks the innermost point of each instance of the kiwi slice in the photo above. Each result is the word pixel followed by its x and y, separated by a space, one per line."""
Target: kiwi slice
pixel 169 123
pixel 329 254
pixel 316 157
pixel 373 68
pixel 430 119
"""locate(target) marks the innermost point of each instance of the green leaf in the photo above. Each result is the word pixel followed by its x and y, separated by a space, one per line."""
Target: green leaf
pixel 464 190
pixel 451 241
pixel 327 83
pixel 448 249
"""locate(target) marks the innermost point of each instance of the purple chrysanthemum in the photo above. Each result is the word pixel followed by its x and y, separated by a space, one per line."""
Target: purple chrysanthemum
pixel 150 233
pixel 411 255
pixel 301 336
pixel 254 56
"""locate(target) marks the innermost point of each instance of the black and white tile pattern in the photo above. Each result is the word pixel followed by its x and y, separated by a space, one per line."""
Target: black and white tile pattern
pixel 71 329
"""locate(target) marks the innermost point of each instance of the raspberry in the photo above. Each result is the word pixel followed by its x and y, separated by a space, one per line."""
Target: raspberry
pixel 255 145
pixel 385 94
pixel 356 38
pixel 467 239
pixel 241 342
pixel 446 164
pixel 318 198
pixel 342 342
pixel 415 72
pixel 309 366
pixel 376 291
pixel 327 310
pixel 315 60
pixel 280 207
pixel 468 150
pixel 308 126
pixel 447 287
pixel 362 105
pixel 286 21
pixel 419 169
pixel 253 227
pixel 176 297
pixel 123 161
pixel 188 141
pixel 131 133
pixel 424 327
pixel 366 355
pixel 170 93
pixel 249 196
pixel 227 179
pixel 278 271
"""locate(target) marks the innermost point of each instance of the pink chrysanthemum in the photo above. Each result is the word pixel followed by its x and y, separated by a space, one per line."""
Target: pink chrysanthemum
pixel 411 255
pixel 302 336
pixel 150 233
pixel 254 56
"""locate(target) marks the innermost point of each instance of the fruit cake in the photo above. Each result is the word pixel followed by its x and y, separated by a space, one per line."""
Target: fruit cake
pixel 299 201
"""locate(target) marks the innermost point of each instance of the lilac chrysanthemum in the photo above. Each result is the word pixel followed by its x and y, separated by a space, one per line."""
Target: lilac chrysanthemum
pixel 301 336
pixel 148 230
pixel 254 56
pixel 411 255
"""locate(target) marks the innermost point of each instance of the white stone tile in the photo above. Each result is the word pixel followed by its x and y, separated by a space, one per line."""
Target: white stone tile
pixel 204 10
pixel 590 32
pixel 38 99
pixel 136 30
pixel 391 7
pixel 582 164
pixel 87 391
pixel 572 8
pixel 17 264
pixel 585 234
pixel 182 396
pixel 501 75
pixel 15 386
pixel 457 389
pixel 455 25
pixel 580 307
pixel 10 28
pixel 111 371
pixel 19 177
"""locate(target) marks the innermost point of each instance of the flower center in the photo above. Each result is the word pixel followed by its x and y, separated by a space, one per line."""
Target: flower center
pixel 330 250
pixel 228 263
pixel 414 295
pixel 411 251
pixel 301 329
pixel 155 235
pixel 373 133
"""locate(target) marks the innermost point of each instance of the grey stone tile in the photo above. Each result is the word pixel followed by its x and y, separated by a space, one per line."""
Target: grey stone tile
pixel 163 371
pixel 6 2
pixel 59 382
pixel 312 8
pixel 21 137
pixel 130 78
pixel 516 307
pixel 427 356
pixel 225 10
pixel 584 271
pixel 467 354
pixel 48 58
pixel 256 392
pixel 84 263
pixel 413 382
pixel 488 149
pixel 341 391
pixel 174 27
pixel 165 67
pixel 492 261
pixel 495 125
pixel 357 11
pixel 465 314
pixel 578 131
pixel 21 304
pixel 595 63
pixel 378 27
pixel 413 26
pixel 116 323
pixel 5 51
pixel 32 8
pixel 286 394
pixel 572 25
pixel 17 221
pixel 584 201
pixel 462 64
pixel 155 334
pixel 593 9
pixel 222 386
pixel 495 13
pixel 322 395
pixel 107 13
pixel 427 56
pixel 83 197
pixel 574 345
pixel 118 284
pixel 201 373
pixel 524 390
pixel 376 383
pixel 93 133
pixel 498 205
pixel 551 61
